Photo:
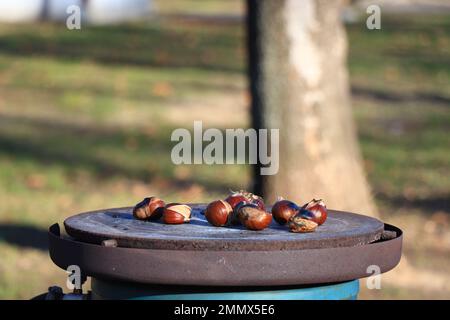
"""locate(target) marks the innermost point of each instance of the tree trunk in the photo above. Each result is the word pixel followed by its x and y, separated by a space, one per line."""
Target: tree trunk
pixel 299 84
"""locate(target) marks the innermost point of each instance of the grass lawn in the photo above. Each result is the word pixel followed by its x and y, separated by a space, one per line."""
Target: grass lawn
pixel 86 118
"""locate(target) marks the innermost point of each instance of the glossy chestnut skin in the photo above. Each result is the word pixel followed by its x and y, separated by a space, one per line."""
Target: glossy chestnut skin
pixel 150 208
pixel 300 225
pixel 283 210
pixel 235 215
pixel 315 210
pixel 175 213
pixel 235 199
pixel 245 196
pixel 259 202
pixel 253 218
pixel 219 213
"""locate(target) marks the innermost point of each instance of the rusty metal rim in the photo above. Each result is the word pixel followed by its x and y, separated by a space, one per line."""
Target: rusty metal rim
pixel 225 268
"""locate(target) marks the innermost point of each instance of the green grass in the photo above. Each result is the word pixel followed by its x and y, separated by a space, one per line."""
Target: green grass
pixel 205 7
pixel 86 118
pixel 410 54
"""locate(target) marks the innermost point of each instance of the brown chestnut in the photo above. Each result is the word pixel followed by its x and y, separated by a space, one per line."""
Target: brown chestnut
pixel 149 209
pixel 244 196
pixel 175 213
pixel 315 210
pixel 219 213
pixel 298 224
pixel 283 210
pixel 234 199
pixel 235 214
pixel 253 218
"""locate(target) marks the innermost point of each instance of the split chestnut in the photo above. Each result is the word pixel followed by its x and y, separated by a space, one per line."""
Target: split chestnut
pixel 315 210
pixel 244 196
pixel 149 209
pixel 298 224
pixel 176 213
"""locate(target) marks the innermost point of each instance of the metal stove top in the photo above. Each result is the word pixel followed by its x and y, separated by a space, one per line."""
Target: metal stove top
pixel 199 254
pixel 341 229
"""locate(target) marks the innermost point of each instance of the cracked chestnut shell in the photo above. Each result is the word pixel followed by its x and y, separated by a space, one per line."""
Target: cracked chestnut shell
pixel 253 218
pixel 244 196
pixel 235 199
pixel 301 225
pixel 235 214
pixel 315 210
pixel 150 208
pixel 176 213
pixel 283 210
pixel 219 213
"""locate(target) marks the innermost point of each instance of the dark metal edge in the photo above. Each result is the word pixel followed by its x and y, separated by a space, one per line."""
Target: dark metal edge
pixel 226 268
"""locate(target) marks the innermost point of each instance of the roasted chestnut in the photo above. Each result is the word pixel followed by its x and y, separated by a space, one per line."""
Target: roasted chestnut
pixel 252 217
pixel 283 210
pixel 219 213
pixel 175 213
pixel 315 210
pixel 244 196
pixel 259 202
pixel 149 209
pixel 299 224
pixel 235 214
pixel 234 199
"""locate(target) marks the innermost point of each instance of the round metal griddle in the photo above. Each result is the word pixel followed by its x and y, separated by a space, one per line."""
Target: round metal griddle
pixel 197 254
pixel 340 230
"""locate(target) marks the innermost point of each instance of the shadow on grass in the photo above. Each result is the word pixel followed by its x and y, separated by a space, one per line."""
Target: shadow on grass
pixel 412 44
pixel 103 152
pixel 430 205
pixel 138 44
pixel 25 236
pixel 386 96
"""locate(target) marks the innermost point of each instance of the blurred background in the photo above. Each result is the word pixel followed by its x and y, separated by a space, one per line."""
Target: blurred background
pixel 86 117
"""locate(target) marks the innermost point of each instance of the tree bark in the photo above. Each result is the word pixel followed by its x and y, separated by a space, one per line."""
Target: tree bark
pixel 299 85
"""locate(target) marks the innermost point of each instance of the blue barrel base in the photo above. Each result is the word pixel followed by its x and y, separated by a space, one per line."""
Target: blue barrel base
pixel 106 289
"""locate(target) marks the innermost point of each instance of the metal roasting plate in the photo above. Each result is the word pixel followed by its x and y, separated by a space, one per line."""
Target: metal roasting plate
pixel 199 254
pixel 341 229
pixel 227 267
